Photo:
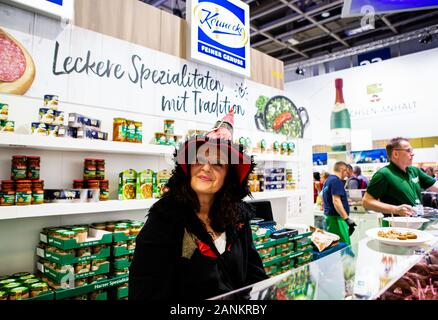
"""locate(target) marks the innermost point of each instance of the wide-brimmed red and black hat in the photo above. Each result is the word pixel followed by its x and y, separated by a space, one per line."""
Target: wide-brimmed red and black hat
pixel 220 141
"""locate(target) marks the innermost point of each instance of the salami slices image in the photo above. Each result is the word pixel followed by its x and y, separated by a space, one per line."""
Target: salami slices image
pixel 17 69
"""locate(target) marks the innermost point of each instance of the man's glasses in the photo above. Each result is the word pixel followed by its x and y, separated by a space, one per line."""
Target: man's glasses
pixel 409 150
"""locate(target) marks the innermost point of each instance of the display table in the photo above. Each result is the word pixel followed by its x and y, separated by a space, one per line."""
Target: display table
pixel 357 272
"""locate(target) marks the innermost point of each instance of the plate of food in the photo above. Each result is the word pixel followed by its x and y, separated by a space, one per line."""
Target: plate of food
pixel 399 236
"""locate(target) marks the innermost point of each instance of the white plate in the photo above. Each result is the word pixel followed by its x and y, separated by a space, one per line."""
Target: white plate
pixel 434 226
pixel 406 222
pixel 421 237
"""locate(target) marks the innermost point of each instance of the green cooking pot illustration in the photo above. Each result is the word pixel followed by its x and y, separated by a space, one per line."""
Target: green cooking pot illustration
pixel 280 115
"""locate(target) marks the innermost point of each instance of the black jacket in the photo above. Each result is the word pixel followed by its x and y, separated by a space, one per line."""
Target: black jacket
pixel 160 272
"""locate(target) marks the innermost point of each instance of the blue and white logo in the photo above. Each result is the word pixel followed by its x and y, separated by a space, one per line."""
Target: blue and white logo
pixel 220 34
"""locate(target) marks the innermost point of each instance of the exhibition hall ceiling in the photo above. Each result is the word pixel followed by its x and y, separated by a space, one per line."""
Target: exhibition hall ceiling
pixel 298 30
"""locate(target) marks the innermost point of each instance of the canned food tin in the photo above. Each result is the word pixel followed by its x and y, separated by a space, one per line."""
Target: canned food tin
pixel 7 125
pixel 138 132
pixel 47 115
pixel 119 129
pixel 4 109
pixel 51 101
pixel 169 126
pixel 59 118
pixel 39 128
pixel 130 131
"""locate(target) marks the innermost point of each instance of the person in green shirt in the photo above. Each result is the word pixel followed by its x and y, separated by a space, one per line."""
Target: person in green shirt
pixel 396 188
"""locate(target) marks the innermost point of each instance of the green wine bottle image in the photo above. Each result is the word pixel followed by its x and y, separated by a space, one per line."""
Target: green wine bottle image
pixel 340 123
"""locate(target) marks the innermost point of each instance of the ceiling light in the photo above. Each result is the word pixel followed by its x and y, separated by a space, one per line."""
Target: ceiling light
pixel 352 32
pixel 325 14
pixel 300 71
pixel 293 41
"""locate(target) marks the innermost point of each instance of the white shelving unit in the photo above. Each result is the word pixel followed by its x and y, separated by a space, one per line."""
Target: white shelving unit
pixel 63 209
pixel 38 142
pixel 60 209
pixel 14 140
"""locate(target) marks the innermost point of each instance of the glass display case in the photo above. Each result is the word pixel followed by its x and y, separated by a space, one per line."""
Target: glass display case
pixel 363 272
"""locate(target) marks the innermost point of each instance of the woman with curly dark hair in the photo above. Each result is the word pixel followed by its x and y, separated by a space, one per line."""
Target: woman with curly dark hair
pixel 197 241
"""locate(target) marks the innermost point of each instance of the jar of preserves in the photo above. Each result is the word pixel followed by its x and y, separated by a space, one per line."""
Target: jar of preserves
pixel 263 145
pixel 121 272
pixel 94 279
pixel 19 168
pixel 110 226
pixel 81 234
pixel 55 232
pixel 38 288
pixel 135 228
pixel 100 169
pixel 130 245
pixel 169 126
pixel 97 263
pixel 37 192
pixel 78 184
pixel 99 225
pixel 89 169
pixel 276 146
pixel 104 190
pixel 24 278
pixel 82 267
pixel 7 193
pixel 121 244
pixel 121 227
pixel 23 193
pixel 29 282
pixel 22 274
pixel 33 168
pixel 93 184
pixel 65 252
pixel 19 293
pixel 3 295
pixel 98 248
pixel 130 131
pixel 68 235
pixel 83 252
pixel 138 132
pixel 160 138
pixel 284 148
pixel 4 277
pixel 80 283
pixel 119 129
pixel 291 148
pixel 6 282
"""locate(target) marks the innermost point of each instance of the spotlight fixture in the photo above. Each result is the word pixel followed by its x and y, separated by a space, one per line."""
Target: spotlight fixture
pixel 427 38
pixel 300 71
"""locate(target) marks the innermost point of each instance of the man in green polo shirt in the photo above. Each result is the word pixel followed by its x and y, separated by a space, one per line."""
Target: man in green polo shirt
pixel 396 188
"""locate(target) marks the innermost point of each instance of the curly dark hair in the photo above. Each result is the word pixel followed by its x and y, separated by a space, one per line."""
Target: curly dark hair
pixel 224 211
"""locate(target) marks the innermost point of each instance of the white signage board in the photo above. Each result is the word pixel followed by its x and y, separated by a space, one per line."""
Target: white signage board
pixel 219 34
pixel 63 9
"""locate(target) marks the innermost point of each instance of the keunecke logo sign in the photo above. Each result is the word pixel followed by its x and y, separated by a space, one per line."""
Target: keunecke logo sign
pixel 219 34
pixel 63 9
